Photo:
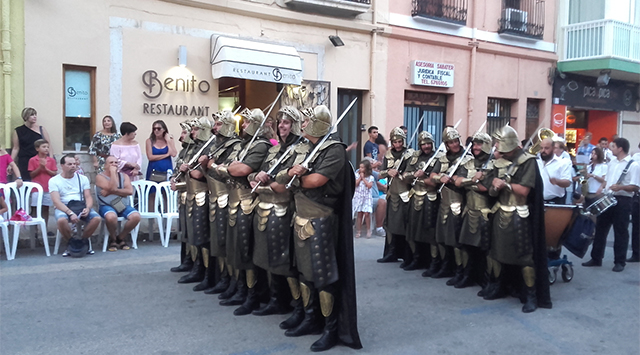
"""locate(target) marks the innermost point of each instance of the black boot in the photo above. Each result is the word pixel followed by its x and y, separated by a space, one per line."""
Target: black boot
pixel 296 317
pixel 329 337
pixel 220 287
pixel 485 285
pixel 277 301
pixel 311 324
pixel 209 273
pixel 197 272
pixel 468 264
pixel 530 297
pixel 418 261
pixel 494 289
pixel 436 264
pixel 446 267
pixel 390 255
pixel 186 263
pixel 457 277
pixel 241 293
pixel 250 304
pixel 231 289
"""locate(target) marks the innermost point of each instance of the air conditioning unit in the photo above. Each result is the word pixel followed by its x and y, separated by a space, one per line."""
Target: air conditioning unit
pixel 514 19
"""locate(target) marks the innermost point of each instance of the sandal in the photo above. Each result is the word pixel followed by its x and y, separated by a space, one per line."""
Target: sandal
pixel 122 244
pixel 113 247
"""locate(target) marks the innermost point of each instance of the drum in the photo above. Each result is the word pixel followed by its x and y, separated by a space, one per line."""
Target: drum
pixel 557 219
pixel 602 204
pixel 581 233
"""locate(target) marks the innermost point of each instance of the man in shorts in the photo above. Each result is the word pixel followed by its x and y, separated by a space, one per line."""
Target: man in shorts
pixel 113 190
pixel 66 187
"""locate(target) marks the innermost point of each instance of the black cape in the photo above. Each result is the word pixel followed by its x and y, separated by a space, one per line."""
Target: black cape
pixel 536 201
pixel 348 316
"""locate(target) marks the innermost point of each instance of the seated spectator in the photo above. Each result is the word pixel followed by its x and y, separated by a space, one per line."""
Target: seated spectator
pixel 113 190
pixel 41 168
pixel 71 196
pixel 3 207
pixel 9 166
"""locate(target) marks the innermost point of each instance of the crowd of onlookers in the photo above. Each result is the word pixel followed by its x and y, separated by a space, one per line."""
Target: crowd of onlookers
pixel 117 159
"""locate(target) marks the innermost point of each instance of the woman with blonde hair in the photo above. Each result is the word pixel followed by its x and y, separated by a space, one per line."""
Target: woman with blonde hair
pixel 23 138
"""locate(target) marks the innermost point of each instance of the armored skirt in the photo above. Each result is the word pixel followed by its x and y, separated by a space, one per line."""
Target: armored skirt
pixel 218 217
pixel 511 241
pixel 182 216
pixel 240 229
pixel 396 221
pixel 315 236
pixel 198 214
pixel 423 215
pixel 449 218
pixel 272 233
pixel 476 225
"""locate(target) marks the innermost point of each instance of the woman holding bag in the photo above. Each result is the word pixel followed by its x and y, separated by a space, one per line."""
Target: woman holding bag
pixel 127 150
pixel 160 148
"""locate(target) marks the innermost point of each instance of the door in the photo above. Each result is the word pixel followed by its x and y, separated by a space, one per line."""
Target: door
pixel 349 128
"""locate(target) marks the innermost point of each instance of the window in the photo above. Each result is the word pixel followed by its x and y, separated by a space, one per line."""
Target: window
pixel 498 113
pixel 586 10
pixel 79 106
pixel 454 11
pixel 523 18
pixel 533 116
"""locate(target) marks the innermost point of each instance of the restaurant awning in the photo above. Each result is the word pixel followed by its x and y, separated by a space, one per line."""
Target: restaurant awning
pixel 239 58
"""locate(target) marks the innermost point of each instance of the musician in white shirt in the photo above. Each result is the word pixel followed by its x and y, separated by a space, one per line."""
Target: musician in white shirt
pixel 595 175
pixel 604 144
pixel 555 172
pixel 623 180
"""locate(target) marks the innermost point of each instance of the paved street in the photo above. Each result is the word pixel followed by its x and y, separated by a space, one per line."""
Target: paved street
pixel 129 303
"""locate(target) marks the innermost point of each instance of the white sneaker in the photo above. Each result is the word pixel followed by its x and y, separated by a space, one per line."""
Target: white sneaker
pixel 380 231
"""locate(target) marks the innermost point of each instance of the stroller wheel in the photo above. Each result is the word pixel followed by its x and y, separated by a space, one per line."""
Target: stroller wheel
pixel 553 275
pixel 567 273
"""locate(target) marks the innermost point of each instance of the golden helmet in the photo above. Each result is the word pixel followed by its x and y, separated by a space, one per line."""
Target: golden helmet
pixel 228 127
pixel 424 137
pixel 450 134
pixel 320 123
pixel 255 117
pixel 507 139
pixel 398 133
pixel 292 114
pixel 485 139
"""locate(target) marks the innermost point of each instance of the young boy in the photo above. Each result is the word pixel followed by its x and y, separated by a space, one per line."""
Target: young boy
pixel 41 168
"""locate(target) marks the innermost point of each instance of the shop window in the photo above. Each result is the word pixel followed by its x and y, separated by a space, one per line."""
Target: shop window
pixel 431 108
pixel 79 106
pixel 498 113
pixel 533 116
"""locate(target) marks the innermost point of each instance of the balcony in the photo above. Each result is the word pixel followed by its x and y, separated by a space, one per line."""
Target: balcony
pixel 448 11
pixel 339 8
pixel 522 19
pixel 601 39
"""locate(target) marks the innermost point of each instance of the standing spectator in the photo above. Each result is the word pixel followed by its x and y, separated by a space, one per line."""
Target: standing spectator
pixel 127 151
pixel 41 168
pixel 623 179
pixel 101 142
pixel 9 166
pixel 23 138
pixel 584 150
pixel 371 147
pixel 113 190
pixel 382 147
pixel 362 200
pixel 65 188
pixel 160 149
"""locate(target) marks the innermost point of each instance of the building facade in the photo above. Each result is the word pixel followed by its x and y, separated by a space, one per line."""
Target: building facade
pixel 152 59
pixel 470 61
pixel 596 87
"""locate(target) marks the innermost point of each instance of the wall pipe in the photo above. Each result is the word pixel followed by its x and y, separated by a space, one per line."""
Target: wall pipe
pixel 6 69
pixel 372 65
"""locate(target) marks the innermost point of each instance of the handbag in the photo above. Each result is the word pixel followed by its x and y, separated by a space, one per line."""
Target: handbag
pixel 118 205
pixel 76 206
pixel 158 176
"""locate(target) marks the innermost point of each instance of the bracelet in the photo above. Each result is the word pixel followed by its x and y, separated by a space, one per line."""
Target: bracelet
pixel 19 178
pixel 70 213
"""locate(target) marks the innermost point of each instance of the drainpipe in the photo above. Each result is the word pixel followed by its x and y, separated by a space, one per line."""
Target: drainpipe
pixel 472 81
pixel 372 65
pixel 6 69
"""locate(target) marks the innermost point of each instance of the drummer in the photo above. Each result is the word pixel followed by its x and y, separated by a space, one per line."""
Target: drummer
pixel 555 172
pixel 623 180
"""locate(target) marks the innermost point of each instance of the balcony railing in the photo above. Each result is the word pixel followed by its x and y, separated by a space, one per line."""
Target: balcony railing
pixel 341 8
pixel 454 11
pixel 601 38
pixel 522 18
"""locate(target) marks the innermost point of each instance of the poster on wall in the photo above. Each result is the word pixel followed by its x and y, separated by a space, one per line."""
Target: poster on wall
pixel 77 99
pixel 559 119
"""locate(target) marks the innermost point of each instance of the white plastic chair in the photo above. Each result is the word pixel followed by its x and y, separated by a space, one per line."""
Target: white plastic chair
pixel 4 227
pixel 23 200
pixel 141 189
pixel 169 209
pixel 105 232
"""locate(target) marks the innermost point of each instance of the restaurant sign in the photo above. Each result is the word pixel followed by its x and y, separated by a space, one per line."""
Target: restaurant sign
pixel 432 74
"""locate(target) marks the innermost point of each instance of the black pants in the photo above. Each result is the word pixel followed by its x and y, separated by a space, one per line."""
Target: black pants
pixel 618 216
pixel 635 229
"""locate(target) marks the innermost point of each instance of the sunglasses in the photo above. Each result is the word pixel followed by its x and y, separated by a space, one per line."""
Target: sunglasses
pixel 157 128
